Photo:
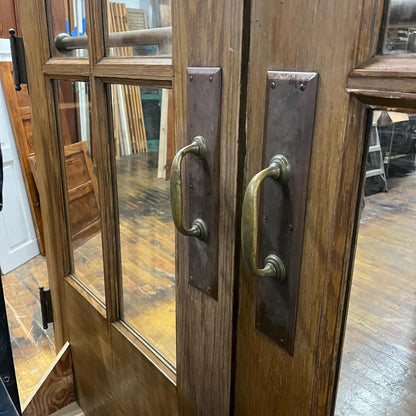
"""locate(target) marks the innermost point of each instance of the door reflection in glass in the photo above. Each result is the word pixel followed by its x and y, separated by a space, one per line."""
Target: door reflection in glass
pixel 378 372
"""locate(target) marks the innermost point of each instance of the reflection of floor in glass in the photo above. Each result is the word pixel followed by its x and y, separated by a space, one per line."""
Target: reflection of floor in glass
pixel 148 253
pixel 378 374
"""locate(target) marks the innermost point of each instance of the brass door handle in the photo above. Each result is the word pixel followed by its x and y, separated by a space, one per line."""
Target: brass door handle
pixel 278 169
pixel 198 229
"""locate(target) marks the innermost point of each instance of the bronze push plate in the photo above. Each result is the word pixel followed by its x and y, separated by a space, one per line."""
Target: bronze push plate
pixel 202 175
pixel 289 120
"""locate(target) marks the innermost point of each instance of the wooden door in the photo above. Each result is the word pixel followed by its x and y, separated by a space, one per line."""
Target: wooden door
pixel 109 97
pixel 343 44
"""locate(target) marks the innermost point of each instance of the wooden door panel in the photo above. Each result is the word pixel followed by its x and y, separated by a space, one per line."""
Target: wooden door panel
pixel 18 106
pixel 268 380
pixel 110 375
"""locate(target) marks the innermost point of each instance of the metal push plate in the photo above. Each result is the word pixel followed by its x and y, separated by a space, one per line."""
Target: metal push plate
pixel 290 114
pixel 203 112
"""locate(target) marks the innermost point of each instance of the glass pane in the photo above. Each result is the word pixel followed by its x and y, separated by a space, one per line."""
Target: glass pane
pixel 400 36
pixel 139 17
pixel 82 188
pixel 67 17
pixel 378 373
pixel 143 132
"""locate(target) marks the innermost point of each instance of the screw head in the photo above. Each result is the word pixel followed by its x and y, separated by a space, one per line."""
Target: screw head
pixel 302 86
pixel 273 85
pixel 211 78
pixel 191 78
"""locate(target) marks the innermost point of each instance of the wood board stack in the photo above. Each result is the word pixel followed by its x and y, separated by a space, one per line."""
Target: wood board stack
pixel 128 121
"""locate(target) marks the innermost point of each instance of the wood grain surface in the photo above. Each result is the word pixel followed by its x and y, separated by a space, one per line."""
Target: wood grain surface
pixel 55 390
pixel 35 31
pixel 209 33
pixel 302 36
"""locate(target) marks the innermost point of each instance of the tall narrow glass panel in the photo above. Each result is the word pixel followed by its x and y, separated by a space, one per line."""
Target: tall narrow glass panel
pixel 378 373
pixel 143 135
pixel 82 187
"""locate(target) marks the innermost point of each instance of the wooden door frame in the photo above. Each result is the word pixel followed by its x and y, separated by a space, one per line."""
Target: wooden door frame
pixel 203 36
pixel 374 81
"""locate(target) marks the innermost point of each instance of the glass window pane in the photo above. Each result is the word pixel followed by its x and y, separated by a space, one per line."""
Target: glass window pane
pixel 143 132
pixel 139 17
pixel 400 36
pixel 378 375
pixel 82 187
pixel 67 17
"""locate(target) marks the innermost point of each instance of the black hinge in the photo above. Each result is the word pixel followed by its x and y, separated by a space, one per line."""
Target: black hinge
pixel 45 306
pixel 18 59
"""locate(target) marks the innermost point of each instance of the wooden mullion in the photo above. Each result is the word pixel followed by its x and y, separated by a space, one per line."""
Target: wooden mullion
pixel 95 30
pixel 70 69
pixel 106 171
pixel 157 71
pixel 104 148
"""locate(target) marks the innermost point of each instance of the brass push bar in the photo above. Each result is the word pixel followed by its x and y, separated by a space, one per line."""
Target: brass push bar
pixel 199 229
pixel 65 43
pixel 278 169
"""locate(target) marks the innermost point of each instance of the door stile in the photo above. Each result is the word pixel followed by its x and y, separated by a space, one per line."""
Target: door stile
pixel 34 31
pixel 347 209
pixel 329 213
pixel 209 34
pixel 341 261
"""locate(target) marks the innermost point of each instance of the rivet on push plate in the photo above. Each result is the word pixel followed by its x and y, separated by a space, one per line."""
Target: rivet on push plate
pixel 273 85
pixel 191 78
pixel 211 78
pixel 302 86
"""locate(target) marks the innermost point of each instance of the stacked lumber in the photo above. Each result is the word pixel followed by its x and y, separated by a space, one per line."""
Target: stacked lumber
pixel 128 121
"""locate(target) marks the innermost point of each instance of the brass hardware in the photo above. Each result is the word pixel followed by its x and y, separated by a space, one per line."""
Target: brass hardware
pixel 198 229
pixel 278 169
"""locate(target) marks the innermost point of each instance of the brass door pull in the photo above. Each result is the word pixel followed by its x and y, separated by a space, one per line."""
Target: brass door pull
pixel 278 169
pixel 198 229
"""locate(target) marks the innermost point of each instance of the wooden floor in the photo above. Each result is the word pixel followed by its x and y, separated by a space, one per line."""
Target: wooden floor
pixel 33 347
pixel 378 374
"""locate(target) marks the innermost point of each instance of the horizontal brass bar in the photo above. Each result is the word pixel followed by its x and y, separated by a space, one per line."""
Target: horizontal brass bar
pixel 65 43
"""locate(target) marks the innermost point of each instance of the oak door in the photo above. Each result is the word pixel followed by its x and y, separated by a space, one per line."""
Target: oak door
pixel 109 114
pixel 354 55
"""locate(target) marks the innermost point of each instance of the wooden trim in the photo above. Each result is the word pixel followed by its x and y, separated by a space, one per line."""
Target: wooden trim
pixel 387 66
pixel 74 69
pixel 86 294
pixel 56 388
pixel 135 69
pixel 338 261
pixel 144 350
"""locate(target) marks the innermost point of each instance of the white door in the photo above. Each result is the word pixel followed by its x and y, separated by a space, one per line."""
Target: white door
pixel 18 242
